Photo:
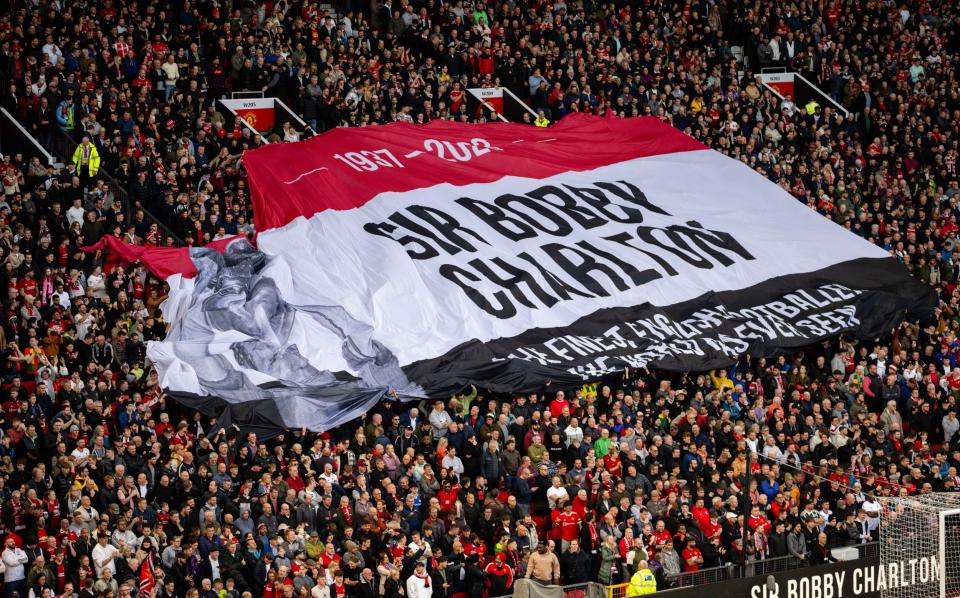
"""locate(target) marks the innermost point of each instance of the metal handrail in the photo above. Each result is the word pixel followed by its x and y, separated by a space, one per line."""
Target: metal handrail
pixel 835 103
pixel 705 576
pixel 252 129
pixel 240 95
pixel 755 568
pixel 124 193
pixel 26 134
pixel 295 116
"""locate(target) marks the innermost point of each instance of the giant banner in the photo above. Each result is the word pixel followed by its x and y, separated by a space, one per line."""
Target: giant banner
pixel 420 259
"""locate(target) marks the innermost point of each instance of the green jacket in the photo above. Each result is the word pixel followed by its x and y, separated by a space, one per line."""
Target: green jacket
pixel 93 159
pixel 601 446
pixel 535 452
pixel 314 548
pixel 642 583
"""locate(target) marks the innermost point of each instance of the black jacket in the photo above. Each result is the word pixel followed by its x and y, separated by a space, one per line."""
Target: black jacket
pixel 778 544
pixel 575 567
pixel 365 590
pixel 819 555
pixel 205 570
pixel 437 581
pixel 475 581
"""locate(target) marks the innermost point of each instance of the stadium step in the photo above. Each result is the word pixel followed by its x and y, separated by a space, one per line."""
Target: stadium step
pixel 325 8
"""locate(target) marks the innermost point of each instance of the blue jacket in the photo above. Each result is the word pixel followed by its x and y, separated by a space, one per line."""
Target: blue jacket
pixel 770 489
pixel 490 466
pixel 65 116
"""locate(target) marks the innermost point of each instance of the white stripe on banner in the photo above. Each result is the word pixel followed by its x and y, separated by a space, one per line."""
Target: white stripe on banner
pixel 410 276
pixel 419 313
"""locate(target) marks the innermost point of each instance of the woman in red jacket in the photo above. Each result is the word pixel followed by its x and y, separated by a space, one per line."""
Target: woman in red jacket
pixel 272 588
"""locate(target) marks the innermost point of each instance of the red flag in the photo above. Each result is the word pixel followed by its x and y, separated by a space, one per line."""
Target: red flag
pixel 162 261
pixel 148 578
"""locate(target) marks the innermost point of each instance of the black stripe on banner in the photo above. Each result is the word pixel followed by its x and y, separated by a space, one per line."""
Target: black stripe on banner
pixel 287 407
pixel 864 298
pixel 261 417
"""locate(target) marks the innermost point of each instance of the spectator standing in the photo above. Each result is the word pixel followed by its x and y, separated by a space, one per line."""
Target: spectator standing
pixel 104 556
pixel 543 566
pixel 14 575
pixel 171 72
pixel 418 584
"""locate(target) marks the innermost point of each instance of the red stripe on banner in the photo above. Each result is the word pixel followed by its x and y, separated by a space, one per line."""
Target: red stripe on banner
pixel 346 167
pixel 163 262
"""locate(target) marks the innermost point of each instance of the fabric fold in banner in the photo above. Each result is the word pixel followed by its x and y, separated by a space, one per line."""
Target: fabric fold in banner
pixel 163 262
pixel 421 259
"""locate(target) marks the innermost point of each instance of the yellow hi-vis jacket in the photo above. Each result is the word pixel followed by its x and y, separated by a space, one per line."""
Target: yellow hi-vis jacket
pixel 93 160
pixel 542 121
pixel 642 583
pixel 811 106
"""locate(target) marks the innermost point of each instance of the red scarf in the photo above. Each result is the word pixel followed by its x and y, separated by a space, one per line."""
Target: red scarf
pixel 425 578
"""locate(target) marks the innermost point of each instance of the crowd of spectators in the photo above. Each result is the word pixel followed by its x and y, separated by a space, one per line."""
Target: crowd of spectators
pixel 109 488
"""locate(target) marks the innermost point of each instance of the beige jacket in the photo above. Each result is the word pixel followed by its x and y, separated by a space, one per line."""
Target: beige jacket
pixel 543 567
